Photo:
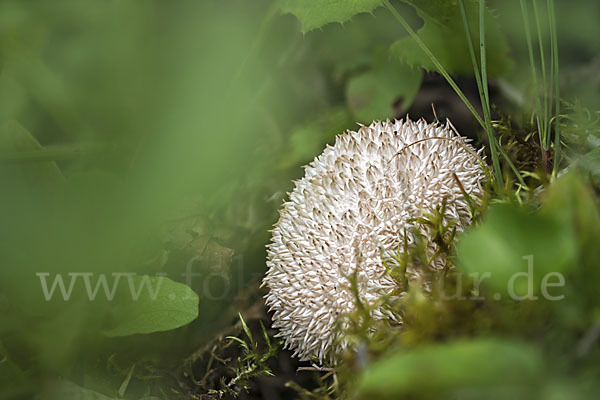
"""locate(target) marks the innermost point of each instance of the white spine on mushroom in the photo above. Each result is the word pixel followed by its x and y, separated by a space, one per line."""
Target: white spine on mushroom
pixel 355 199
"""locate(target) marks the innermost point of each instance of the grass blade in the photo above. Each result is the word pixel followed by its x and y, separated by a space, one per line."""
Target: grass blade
pixel 482 91
pixel 554 44
pixel 454 86
pixel 544 85
pixel 534 78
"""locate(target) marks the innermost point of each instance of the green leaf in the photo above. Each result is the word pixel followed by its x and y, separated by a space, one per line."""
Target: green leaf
pixel 243 344
pixel 153 304
pixel 501 248
pixel 372 94
pixel 444 369
pixel 574 203
pixel 316 13
pixel 265 334
pixel 246 329
pixel 444 34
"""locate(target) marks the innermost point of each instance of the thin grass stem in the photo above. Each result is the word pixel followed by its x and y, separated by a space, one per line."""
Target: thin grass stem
pixel 481 90
pixel 484 80
pixel 454 86
pixel 434 60
pixel 544 85
pixel 538 105
pixel 485 104
pixel 554 45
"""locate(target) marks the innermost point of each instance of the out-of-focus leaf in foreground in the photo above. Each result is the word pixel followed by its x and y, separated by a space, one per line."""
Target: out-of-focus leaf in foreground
pixel 16 140
pixel 150 87
pixel 515 248
pixel 575 206
pixel 476 367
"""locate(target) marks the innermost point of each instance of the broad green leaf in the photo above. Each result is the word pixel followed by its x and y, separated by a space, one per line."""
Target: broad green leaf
pixel 575 205
pixel 316 13
pixel 516 249
pixel 444 34
pixel 153 304
pixel 571 201
pixel 371 95
pixel 448 369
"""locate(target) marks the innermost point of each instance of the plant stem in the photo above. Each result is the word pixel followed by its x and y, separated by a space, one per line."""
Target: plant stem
pixel 482 88
pixel 449 79
pixel 434 60
pixel 538 105
pixel 554 44
pixel 551 80
pixel 545 110
pixel 471 49
pixel 484 81
pixel 460 94
pixel 485 104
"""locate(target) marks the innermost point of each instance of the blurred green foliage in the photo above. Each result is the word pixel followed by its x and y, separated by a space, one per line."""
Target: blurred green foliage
pixel 158 138
pixel 515 241
pixel 465 369
pixel 469 343
pixel 372 95
pixel 444 35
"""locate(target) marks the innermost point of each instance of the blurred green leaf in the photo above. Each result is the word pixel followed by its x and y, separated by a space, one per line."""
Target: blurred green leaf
pixel 61 390
pixel 501 246
pixel 13 381
pixel 371 95
pixel 590 163
pixel 13 97
pixel 479 366
pixel 308 140
pixel 444 34
pixel 315 14
pixel 14 140
pixel 154 304
pixel 575 206
pixel 572 202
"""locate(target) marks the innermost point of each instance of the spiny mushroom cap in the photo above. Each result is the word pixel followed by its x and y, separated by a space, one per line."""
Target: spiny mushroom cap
pixel 356 199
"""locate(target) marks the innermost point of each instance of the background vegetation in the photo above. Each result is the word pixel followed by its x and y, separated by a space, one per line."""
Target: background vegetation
pixel 161 137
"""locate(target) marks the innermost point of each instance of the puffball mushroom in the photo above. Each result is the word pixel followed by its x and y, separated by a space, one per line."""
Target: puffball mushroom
pixel 356 199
